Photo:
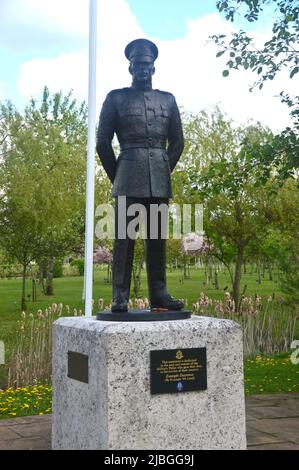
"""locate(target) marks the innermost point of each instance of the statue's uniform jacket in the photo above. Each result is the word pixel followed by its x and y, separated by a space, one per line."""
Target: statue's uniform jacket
pixel 149 130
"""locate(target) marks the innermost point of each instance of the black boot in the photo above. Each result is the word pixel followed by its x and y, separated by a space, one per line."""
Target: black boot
pixel 168 303
pixel 156 276
pixel 119 304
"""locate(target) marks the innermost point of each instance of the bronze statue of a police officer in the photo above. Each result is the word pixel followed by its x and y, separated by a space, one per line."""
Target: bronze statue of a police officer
pixel 148 126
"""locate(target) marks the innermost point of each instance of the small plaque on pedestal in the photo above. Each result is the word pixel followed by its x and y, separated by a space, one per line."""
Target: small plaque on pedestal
pixel 178 370
pixel 78 366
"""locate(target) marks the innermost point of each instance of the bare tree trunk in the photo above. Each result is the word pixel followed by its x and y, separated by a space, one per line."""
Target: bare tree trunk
pixel 206 282
pixel 185 269
pixel 229 272
pixel 259 280
pixel 23 298
pixel 42 275
pixel 137 277
pixel 264 268
pixel 238 275
pixel 34 296
pixel 270 271
pixel 210 272
pixel 216 279
pixel 109 273
pixel 49 285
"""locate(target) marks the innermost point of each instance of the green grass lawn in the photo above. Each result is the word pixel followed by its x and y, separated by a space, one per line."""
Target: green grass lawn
pixel 275 374
pixel 68 290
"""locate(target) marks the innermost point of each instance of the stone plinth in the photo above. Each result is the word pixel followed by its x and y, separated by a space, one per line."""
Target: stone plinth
pixel 113 407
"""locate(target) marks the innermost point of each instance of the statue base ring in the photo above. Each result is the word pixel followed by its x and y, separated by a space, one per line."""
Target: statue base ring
pixel 144 315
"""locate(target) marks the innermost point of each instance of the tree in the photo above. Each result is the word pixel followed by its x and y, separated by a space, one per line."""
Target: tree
pixel 280 52
pixel 234 193
pixel 102 255
pixel 60 123
pixel 21 221
pixel 207 136
pixel 174 254
pixel 287 227
pixel 138 260
pixel 42 177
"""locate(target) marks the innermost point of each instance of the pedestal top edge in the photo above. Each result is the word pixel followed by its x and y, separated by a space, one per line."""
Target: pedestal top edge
pixel 195 321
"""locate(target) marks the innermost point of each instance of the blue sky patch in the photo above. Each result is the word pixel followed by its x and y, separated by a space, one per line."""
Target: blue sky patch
pixel 167 19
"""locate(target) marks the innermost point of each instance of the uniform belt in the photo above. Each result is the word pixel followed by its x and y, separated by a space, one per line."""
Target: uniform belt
pixel 147 143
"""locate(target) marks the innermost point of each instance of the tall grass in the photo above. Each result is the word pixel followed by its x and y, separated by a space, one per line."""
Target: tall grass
pixel 31 358
pixel 269 327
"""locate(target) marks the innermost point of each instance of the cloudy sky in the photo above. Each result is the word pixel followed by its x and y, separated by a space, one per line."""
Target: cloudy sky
pixel 45 42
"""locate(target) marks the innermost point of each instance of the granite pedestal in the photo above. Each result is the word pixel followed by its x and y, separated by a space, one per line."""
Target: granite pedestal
pixel 102 395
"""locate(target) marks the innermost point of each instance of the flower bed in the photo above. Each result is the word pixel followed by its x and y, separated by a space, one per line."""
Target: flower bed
pixel 273 374
pixel 25 401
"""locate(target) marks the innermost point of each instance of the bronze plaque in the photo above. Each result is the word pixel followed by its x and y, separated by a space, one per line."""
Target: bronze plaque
pixel 178 370
pixel 78 366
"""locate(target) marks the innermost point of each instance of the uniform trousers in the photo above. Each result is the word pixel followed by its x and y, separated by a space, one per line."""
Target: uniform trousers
pixel 155 246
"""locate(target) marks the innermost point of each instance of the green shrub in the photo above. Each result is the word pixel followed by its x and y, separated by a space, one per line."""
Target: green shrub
pixel 69 271
pixel 58 268
pixel 80 265
pixel 10 271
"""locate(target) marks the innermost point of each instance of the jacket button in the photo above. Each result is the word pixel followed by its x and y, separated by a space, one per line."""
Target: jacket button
pixel 151 154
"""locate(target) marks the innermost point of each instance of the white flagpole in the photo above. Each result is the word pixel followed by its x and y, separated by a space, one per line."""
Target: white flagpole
pixel 88 271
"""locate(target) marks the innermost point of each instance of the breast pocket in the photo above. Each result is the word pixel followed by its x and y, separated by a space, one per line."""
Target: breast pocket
pixel 124 113
pixel 164 112
pixel 131 121
pixel 162 120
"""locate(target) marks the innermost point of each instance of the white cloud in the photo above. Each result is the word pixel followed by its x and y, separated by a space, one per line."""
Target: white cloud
pixel 187 67
pixel 47 23
pixel 117 26
pixel 37 24
pixel 65 72
pixel 194 74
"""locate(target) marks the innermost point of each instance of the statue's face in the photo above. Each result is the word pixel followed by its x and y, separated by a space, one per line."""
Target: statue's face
pixel 142 71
